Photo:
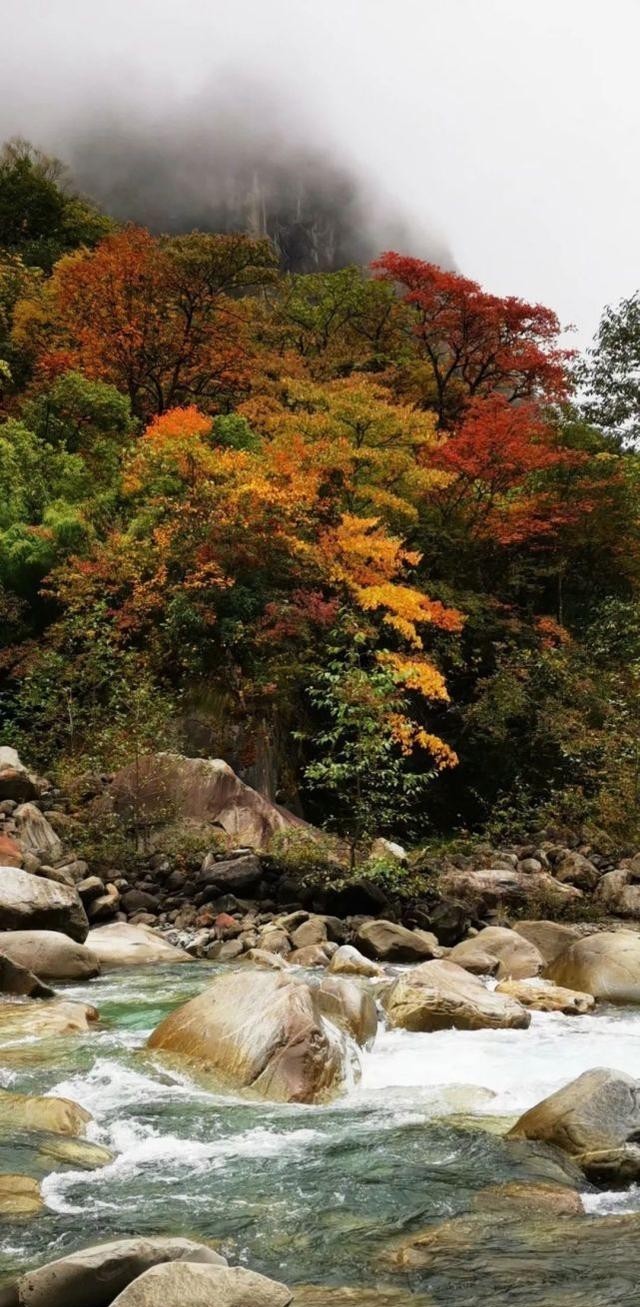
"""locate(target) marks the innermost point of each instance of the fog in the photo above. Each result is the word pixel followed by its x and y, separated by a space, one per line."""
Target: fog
pixel 495 134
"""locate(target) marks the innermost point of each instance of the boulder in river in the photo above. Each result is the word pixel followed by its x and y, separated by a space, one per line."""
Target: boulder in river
pixel 549 937
pixel 176 1284
pixel 262 1031
pixel 121 944
pixel 50 954
pixel 31 902
pixel 606 965
pixel 515 956
pixel 94 1277
pixel 41 1112
pixel 386 941
pixel 440 995
pixel 44 1020
pixel 542 996
pixel 348 961
pixel 596 1119
pixel 350 1006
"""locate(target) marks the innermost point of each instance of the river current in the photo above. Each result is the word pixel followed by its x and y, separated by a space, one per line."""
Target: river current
pixel 319 1195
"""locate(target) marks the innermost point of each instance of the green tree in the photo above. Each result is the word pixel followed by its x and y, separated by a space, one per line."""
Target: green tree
pixel 610 374
pixel 40 216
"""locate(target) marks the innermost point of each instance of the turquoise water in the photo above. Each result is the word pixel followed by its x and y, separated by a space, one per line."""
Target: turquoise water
pixel 322 1194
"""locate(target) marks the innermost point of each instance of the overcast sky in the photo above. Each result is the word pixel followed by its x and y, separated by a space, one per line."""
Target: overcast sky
pixel 512 127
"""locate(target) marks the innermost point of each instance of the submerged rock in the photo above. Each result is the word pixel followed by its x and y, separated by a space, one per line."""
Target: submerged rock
pixel 96 1276
pixel 440 995
pixel 260 1031
pixel 176 1284
pixel 606 965
pixel 39 904
pixel 40 1112
pixel 18 980
pixel 121 944
pixel 19 1197
pixel 596 1119
pixel 515 957
pixel 50 954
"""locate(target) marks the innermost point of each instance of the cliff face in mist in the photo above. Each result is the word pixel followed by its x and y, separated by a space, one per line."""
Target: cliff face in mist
pixel 217 175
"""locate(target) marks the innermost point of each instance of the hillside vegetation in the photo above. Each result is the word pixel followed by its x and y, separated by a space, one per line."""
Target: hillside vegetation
pixel 371 535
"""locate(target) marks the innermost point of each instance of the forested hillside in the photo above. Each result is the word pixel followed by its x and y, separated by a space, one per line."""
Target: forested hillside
pixel 370 535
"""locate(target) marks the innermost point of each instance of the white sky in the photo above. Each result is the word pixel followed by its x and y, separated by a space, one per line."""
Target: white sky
pixel 512 126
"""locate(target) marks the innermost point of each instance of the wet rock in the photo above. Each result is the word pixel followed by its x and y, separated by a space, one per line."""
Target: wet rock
pixel 542 996
pixel 596 1119
pixel 606 965
pixel 177 1283
pixel 49 954
pixel 275 941
pixel 440 995
pixel 96 1276
pixel 261 957
pixel 121 944
pixel 350 1006
pixel 516 957
pixel 31 902
pixel 529 1196
pixel 259 1031
pixel 35 833
pixel 549 937
pixel 348 961
pixel 388 942
pixel 368 1295
pixel 44 1020
pixel 19 1198
pixel 34 1112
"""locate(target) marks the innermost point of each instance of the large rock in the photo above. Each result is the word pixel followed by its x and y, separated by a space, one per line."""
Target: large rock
pixel 348 961
pixel 121 944
pixel 50 954
pixel 516 957
pixel 440 995
pixel 388 942
pixel 96 1276
pixel 606 965
pixel 16 783
pixel 231 875
pixel 36 834
pixel 177 1284
pixel 44 1020
pixel 31 902
pixel 166 786
pixel 260 1031
pixel 39 1112
pixel 596 1119
pixel 15 979
pixel 549 937
pixel 350 1006
pixel 10 852
pixel 542 996
pixel 486 889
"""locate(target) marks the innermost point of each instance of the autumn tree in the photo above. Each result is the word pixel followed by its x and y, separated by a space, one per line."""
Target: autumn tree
pixel 474 343
pixel 163 320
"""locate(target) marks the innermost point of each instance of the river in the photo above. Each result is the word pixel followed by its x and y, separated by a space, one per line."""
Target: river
pixel 318 1195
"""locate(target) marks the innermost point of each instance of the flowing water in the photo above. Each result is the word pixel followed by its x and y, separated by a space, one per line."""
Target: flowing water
pixel 319 1195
